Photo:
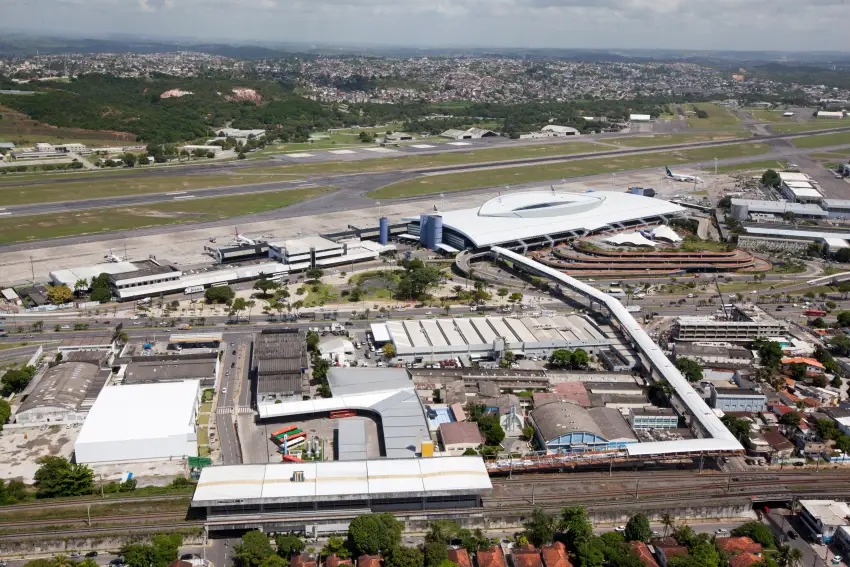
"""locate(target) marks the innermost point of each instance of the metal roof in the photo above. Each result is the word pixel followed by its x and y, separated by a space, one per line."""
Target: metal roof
pixel 529 214
pixel 795 233
pixel 178 368
pixel 721 437
pixel 337 480
pixel 351 439
pixel 387 392
pixel 560 418
pixel 64 386
pixel 780 207
pixel 69 276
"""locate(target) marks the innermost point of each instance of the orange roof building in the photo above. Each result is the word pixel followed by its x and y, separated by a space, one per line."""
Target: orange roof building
pixel 744 560
pixel 526 556
pixel 493 557
pixel 334 561
pixel 642 551
pixel 738 545
pixel 460 556
pixel 303 560
pixel 369 561
pixel 555 555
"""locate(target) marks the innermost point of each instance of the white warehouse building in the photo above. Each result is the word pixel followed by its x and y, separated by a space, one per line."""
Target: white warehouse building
pixel 489 337
pixel 141 422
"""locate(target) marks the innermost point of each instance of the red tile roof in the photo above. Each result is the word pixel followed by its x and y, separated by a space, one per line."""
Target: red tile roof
pixel 574 391
pixel 642 551
pixel 334 561
pixel 460 556
pixel 303 560
pixel 369 561
pixel 744 560
pixel 493 557
pixel 737 545
pixel 555 555
pixel 526 557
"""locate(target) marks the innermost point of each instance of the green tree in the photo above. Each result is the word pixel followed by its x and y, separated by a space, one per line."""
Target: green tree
pixel 80 286
pixel 442 531
pixel 336 546
pixel 12 491
pixel 366 137
pixel 575 524
pixel 758 532
pixel 5 412
pixel 265 285
pixel 401 556
pixel 580 358
pixel 274 561
pixel 314 274
pixel 561 358
pixel 435 553
pixel 540 527
pixel 637 528
pixel 843 318
pixel 58 477
pixel 239 305
pixel 388 350
pixel 288 544
pixel 312 341
pixel 770 178
pixel 370 533
pixel 129 159
pixel 770 353
pixel 690 369
pixel 416 279
pixel 137 555
pixel 253 549
pixel 164 549
pixel 220 294
pixel 740 428
pixel 59 294
pixel 488 425
pixel 792 418
pixel 798 372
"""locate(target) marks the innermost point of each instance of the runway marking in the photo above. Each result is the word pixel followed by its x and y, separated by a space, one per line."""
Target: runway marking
pixel 177 193
pixel 382 150
pixel 299 155
pixel 184 197
pixel 422 146
pixel 341 152
pixel 7 213
pixel 459 144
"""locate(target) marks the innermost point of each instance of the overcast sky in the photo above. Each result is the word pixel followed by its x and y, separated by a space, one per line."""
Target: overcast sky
pixel 687 24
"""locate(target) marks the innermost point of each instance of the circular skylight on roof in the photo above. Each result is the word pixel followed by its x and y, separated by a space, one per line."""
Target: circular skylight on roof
pixel 540 204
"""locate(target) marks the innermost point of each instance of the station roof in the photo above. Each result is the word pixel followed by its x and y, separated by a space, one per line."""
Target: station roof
pixel 388 392
pixel 204 279
pixel 337 480
pixel 69 276
pixel 529 214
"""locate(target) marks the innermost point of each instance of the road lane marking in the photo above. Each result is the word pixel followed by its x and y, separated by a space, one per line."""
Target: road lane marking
pixel 177 193
pixel 184 197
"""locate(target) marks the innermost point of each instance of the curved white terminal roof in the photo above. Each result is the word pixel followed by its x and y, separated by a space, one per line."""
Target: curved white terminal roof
pixel 629 239
pixel 721 438
pixel 530 214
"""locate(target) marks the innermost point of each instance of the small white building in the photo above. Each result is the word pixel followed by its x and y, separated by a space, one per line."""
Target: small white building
pixel 142 422
pixel 336 349
pixel 468 134
pixel 44 148
pixel 829 114
pixel 192 148
pixel 640 118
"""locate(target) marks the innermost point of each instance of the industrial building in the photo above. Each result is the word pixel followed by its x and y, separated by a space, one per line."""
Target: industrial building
pixel 833 240
pixel 458 436
pixel 823 518
pixel 64 393
pixel 170 368
pixel 280 361
pixel 738 399
pixel 70 276
pixel 536 218
pixel 640 118
pixel 350 439
pixel 367 485
pixel 798 187
pixel 742 209
pixel 386 393
pixel 97 342
pixel 141 422
pixel 489 337
pixel 718 354
pixel 551 131
pixel 564 427
pixel 653 418
pixel 745 324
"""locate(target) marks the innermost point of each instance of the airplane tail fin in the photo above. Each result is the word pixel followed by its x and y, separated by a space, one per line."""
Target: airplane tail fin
pixel 669 173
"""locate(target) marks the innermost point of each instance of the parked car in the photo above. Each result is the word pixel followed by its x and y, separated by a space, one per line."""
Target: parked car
pixel 620 529
pixel 91 554
pixel 792 534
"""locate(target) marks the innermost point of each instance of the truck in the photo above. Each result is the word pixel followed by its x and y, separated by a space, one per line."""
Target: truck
pixel 184 327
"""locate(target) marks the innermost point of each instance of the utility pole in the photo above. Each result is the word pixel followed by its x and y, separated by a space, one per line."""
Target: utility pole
pixel 715 166
pixel 637 489
pixel 32 269
pixel 88 513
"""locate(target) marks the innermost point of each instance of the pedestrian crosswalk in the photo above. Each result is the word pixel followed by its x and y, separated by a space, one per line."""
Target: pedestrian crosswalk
pixel 241 410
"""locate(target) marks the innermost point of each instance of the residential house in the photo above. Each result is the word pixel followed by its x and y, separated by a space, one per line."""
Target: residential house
pixel 460 556
pixel 731 546
pixel 526 556
pixel 458 436
pixel 744 560
pixel 780 447
pixel 667 548
pixel 492 557
pixel 303 560
pixel 369 561
pixel 334 561
pixel 813 366
pixel 555 555
pixel 644 554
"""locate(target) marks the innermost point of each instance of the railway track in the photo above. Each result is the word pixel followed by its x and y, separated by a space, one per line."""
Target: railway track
pixel 43 504
pixel 95 520
pixel 84 532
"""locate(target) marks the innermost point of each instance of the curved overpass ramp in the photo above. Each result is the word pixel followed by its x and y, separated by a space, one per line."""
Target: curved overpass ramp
pixel 717 438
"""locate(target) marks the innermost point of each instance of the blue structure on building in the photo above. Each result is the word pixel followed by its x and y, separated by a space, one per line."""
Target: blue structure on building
pixel 563 427
pixel 431 230
pixel 383 231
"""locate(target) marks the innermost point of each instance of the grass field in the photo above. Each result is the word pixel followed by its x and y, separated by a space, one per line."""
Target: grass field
pixel 831 156
pixel 677 138
pixel 759 166
pixel 37 227
pixel 822 140
pixel 809 126
pixel 16 127
pixel 543 172
pixel 719 118
pixel 94 188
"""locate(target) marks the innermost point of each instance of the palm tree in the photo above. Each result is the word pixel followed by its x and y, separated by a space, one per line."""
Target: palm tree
pixel 668 522
pixel 250 305
pixel 80 285
pixel 794 557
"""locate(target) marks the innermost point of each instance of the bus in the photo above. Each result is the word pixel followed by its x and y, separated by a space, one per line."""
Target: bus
pixel 814 313
pixel 218 284
pixel 284 430
pixel 338 414
pixel 193 289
